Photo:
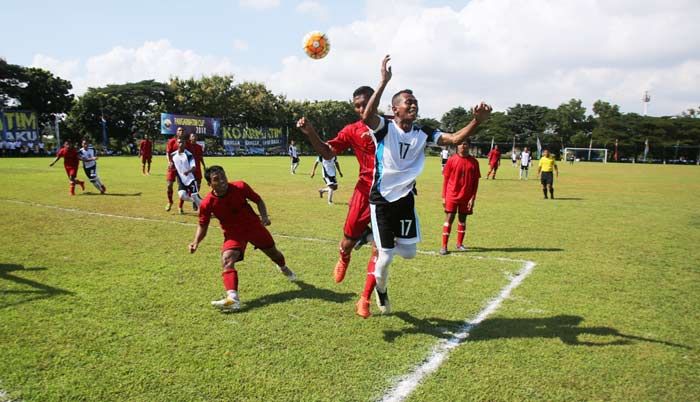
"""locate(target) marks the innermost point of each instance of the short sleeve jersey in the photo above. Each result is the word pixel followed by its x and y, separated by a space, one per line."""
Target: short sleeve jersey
pixel 328 166
pixel 183 162
pixel 146 148
pixel 461 178
pixel 293 151
pixel 494 156
pixel 547 164
pixel 525 158
pixel 444 154
pixel 232 210
pixel 399 159
pixel 197 152
pixel 357 136
pixel 85 155
pixel 70 157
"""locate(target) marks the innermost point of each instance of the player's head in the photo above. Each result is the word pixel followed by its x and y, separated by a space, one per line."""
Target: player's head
pixel 145 136
pixel 291 142
pixel 495 147
pixel 180 131
pixel 525 149
pixel 360 98
pixel 463 147
pixel 193 137
pixel 86 142
pixel 404 105
pixel 181 143
pixel 545 152
pixel 216 178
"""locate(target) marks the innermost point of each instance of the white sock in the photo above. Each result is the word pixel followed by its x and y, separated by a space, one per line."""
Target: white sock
pixel 330 196
pixel 381 267
pixel 232 294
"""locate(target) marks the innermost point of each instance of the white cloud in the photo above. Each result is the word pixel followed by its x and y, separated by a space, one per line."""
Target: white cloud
pixel 313 8
pixel 240 44
pixel 259 4
pixel 60 68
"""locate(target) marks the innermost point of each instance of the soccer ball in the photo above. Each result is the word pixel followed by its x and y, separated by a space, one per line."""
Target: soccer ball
pixel 316 45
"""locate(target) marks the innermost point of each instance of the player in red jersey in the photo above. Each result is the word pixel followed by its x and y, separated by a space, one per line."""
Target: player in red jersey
pixel 357 137
pixel 171 174
pixel 146 153
pixel 227 201
pixel 460 183
pixel 198 153
pixel 494 156
pixel 71 162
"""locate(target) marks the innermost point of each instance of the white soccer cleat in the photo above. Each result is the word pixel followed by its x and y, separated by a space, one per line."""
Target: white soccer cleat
pixel 383 302
pixel 288 273
pixel 461 248
pixel 227 304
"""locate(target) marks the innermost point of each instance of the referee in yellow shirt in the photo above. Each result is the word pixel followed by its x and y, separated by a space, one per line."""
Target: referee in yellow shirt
pixel 545 171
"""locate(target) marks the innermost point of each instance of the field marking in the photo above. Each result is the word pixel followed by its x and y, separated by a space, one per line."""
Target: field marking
pixel 405 385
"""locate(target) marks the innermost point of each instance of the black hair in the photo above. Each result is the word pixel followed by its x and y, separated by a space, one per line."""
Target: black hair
pixel 398 94
pixel 211 170
pixel 363 90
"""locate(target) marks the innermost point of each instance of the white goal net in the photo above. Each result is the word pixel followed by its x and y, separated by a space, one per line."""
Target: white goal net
pixel 586 154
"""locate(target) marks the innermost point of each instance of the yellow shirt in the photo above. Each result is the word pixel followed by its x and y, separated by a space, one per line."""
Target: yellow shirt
pixel 547 164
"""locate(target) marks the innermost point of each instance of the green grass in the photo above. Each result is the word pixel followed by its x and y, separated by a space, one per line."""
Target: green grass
pixel 97 307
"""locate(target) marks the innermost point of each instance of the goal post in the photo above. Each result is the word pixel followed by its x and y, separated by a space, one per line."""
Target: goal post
pixel 586 154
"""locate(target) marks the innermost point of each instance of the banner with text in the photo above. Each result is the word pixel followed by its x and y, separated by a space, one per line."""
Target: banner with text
pixel 19 125
pixel 253 137
pixel 208 126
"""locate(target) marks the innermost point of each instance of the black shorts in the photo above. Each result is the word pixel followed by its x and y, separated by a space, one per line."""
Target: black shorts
pixel 444 162
pixel 330 180
pixel 547 178
pixel 191 188
pixel 295 159
pixel 524 167
pixel 91 172
pixel 395 221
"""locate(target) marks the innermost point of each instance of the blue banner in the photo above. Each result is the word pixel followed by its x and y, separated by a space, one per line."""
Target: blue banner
pixel 19 125
pixel 207 126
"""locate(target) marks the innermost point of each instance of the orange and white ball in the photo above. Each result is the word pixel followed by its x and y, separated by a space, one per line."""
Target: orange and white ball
pixel 316 45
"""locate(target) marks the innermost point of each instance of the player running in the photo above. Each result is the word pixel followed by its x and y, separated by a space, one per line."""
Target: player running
pixel 198 153
pixel 294 155
pixel 329 167
pixel 146 154
pixel 400 158
pixel 170 175
pixel 70 163
pixel 183 160
pixel 357 137
pixel 227 201
pixel 89 157
pixel 494 156
pixel 460 183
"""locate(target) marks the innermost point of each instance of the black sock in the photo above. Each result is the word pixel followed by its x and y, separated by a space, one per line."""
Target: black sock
pixel 551 192
pixel 544 190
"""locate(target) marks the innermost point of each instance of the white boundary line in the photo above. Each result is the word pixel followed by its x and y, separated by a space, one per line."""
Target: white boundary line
pixel 407 384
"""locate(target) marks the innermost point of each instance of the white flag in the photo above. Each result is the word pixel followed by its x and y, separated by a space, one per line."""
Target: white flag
pixel 491 142
pixel 539 148
pixel 646 149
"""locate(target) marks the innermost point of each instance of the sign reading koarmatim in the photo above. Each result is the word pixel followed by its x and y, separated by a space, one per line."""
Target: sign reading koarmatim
pixel 253 137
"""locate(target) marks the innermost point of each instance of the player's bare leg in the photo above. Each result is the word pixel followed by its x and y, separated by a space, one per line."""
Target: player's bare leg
pixel 170 195
pixel 345 248
pixel 278 258
pixel 229 275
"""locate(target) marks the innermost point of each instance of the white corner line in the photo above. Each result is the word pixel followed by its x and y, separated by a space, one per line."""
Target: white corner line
pixel 408 383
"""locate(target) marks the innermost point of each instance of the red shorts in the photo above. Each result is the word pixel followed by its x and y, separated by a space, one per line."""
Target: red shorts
pixel 71 171
pixel 493 165
pixel 358 216
pixel 458 206
pixel 171 174
pixel 146 158
pixel 239 236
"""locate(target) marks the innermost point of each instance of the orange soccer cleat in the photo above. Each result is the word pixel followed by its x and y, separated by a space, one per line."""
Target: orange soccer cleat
pixel 339 271
pixel 362 307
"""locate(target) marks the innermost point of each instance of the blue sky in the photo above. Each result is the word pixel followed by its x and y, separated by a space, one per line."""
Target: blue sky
pixel 452 53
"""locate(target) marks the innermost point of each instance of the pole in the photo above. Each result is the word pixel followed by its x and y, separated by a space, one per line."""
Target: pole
pixel 58 131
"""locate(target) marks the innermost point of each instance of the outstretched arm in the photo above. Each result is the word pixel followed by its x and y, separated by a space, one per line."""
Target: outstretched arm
pixel 369 117
pixel 55 160
pixel 199 235
pixel 310 132
pixel 313 171
pixel 337 166
pixel 263 213
pixel 481 111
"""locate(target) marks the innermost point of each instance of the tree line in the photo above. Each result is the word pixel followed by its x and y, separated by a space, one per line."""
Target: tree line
pixel 134 109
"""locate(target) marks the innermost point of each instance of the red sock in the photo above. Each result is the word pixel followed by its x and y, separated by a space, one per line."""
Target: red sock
pixel 72 188
pixel 230 277
pixel 446 228
pixel 461 232
pixel 371 280
pixel 182 202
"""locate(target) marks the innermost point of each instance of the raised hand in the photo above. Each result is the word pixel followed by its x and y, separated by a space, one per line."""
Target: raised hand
pixel 386 69
pixel 305 126
pixel 482 112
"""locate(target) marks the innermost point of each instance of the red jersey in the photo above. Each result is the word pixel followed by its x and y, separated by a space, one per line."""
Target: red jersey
pixel 198 153
pixel 232 210
pixel 357 137
pixel 461 178
pixel 494 156
pixel 70 157
pixel 146 148
pixel 170 147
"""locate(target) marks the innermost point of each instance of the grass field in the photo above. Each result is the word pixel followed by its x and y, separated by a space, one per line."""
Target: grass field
pixel 98 305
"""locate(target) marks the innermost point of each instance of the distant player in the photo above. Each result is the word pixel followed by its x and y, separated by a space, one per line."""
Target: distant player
pixel 198 153
pixel 356 228
pixel 329 167
pixel 89 157
pixel 459 186
pixel 294 155
pixel 146 154
pixel 183 160
pixel 171 174
pixel 400 158
pixel 70 163
pixel 514 157
pixel 228 202
pixel 444 156
pixel 545 170
pixel 525 160
pixel 494 156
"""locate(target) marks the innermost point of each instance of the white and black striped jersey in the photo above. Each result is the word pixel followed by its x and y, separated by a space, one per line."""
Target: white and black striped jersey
pixel 328 166
pixel 293 151
pixel 183 162
pixel 85 155
pixel 399 159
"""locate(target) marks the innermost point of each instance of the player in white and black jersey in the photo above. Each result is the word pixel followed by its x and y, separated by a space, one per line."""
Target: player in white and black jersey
pixel 330 166
pixel 399 160
pixel 294 155
pixel 184 163
pixel 525 160
pixel 444 156
pixel 89 157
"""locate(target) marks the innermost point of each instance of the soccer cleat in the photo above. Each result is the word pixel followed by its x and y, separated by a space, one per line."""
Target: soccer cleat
pixel 227 304
pixel 383 302
pixel 320 193
pixel 103 189
pixel 461 248
pixel 168 207
pixel 82 185
pixel 339 271
pixel 194 207
pixel 443 251
pixel 365 238
pixel 362 307
pixel 182 212
pixel 288 273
